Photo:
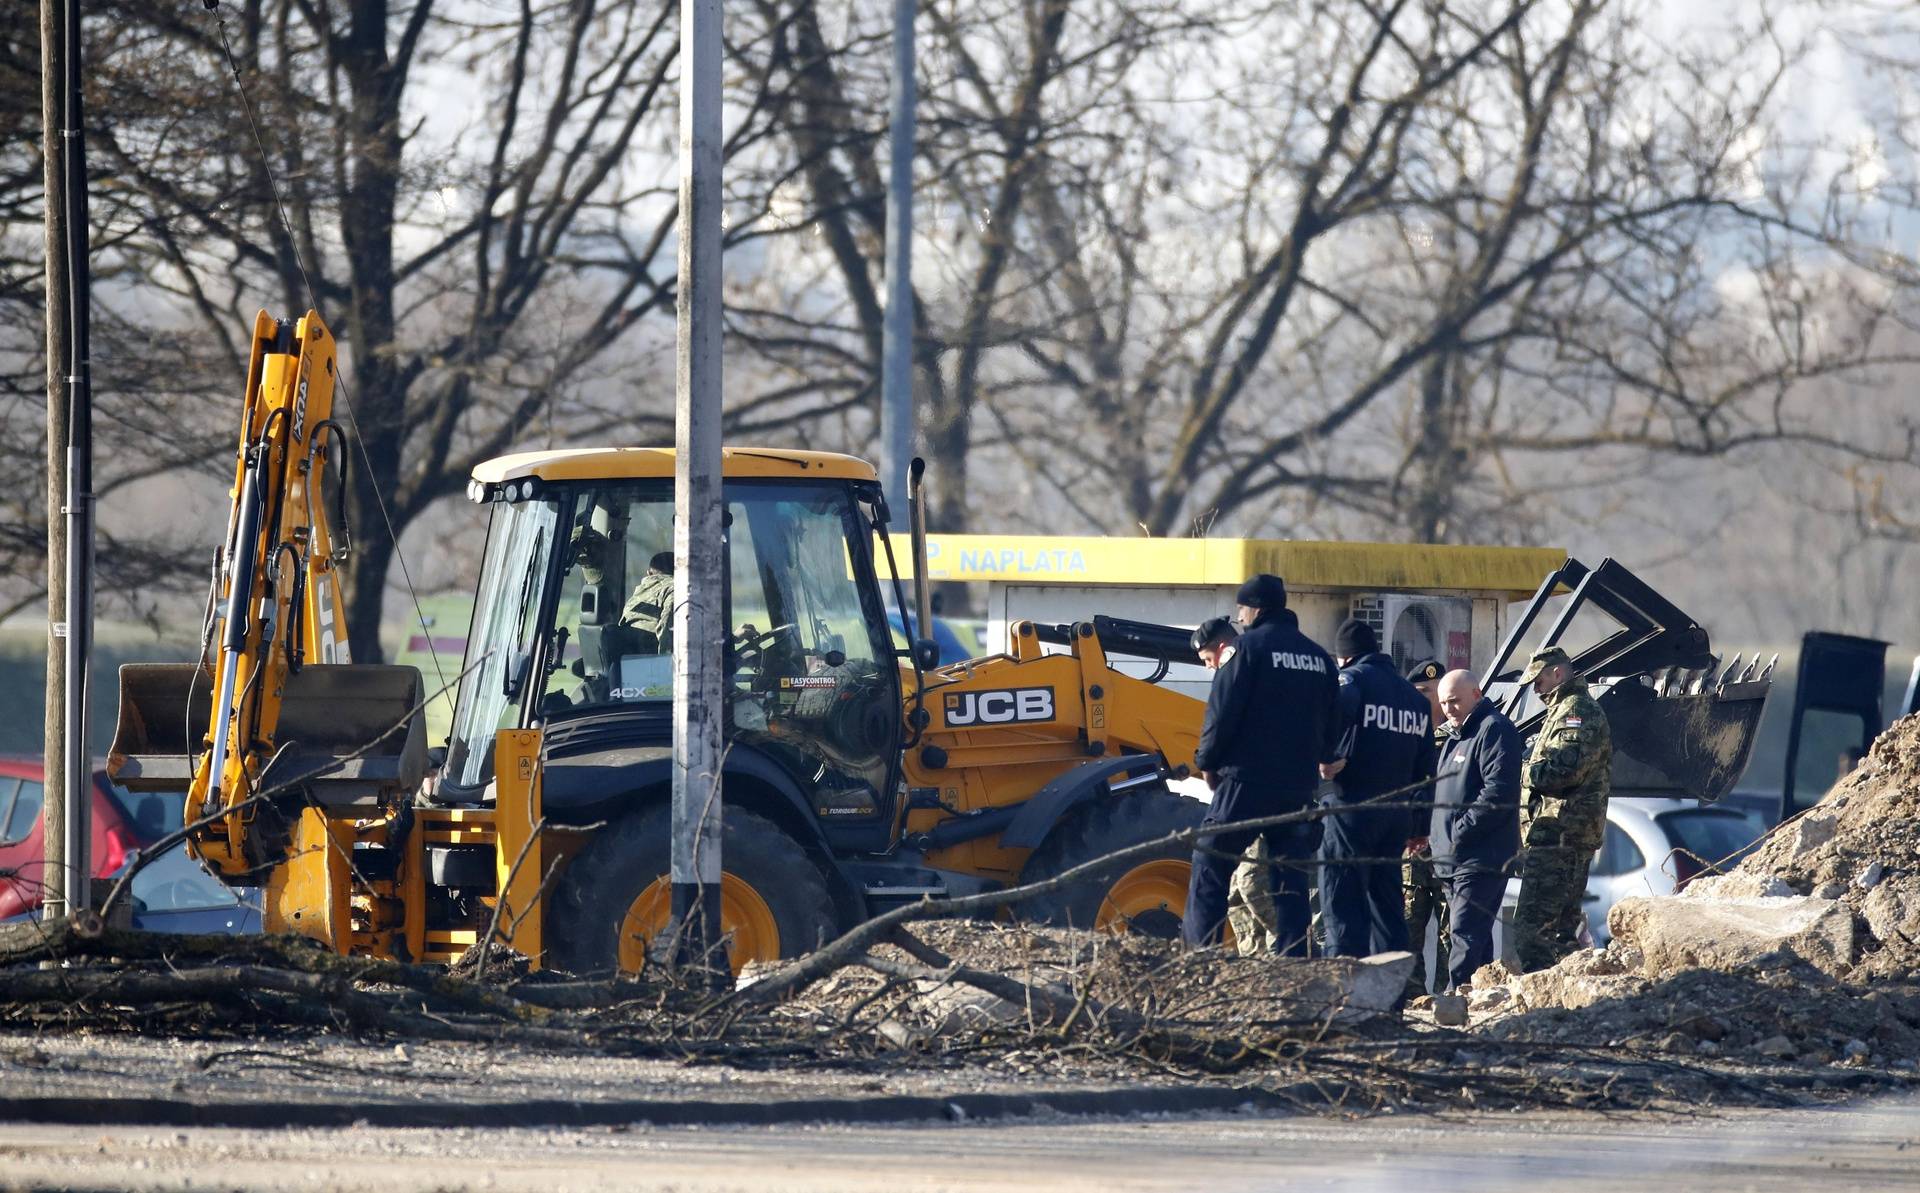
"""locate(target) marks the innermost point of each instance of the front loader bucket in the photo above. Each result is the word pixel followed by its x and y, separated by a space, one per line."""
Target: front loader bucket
pixel 349 733
pixel 352 732
pixel 164 712
pixel 1683 746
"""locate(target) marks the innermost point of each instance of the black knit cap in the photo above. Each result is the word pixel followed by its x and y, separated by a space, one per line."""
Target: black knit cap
pixel 1213 629
pixel 1424 671
pixel 1354 638
pixel 1264 591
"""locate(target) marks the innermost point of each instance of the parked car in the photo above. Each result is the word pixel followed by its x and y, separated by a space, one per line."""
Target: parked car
pixel 172 893
pixel 953 647
pixel 1652 847
pixel 23 834
pixel 1658 846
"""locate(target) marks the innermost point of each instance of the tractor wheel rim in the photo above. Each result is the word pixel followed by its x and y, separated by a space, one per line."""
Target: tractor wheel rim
pixel 1150 892
pixel 745 917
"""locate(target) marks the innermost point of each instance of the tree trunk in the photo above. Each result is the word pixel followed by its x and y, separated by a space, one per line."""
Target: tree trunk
pixel 1439 463
pixel 949 433
pixel 368 212
pixel 366 582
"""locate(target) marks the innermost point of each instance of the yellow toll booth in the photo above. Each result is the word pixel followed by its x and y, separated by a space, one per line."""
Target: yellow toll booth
pixel 1441 602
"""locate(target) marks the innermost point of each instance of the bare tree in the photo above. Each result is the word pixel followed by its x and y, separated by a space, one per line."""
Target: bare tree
pixel 1361 262
pixel 479 201
pixel 1007 87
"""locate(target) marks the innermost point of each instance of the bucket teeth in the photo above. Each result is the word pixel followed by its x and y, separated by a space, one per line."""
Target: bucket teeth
pixel 1726 676
pixel 1768 673
pixel 1703 679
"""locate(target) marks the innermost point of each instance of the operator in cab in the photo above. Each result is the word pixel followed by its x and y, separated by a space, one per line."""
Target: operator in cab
pixel 1272 719
pixel 650 608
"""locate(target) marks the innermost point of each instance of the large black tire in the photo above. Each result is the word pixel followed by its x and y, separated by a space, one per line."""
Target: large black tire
pixel 1105 825
pixel 625 860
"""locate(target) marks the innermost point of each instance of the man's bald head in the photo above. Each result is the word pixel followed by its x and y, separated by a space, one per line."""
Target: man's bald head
pixel 1459 692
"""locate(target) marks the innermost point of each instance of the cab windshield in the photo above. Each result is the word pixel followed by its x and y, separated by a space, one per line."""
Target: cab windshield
pixel 808 659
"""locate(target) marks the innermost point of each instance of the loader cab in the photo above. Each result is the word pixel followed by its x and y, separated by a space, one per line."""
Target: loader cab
pixel 573 622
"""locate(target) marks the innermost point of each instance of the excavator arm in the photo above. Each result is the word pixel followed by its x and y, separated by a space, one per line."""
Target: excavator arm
pixel 277 565
pixel 274 704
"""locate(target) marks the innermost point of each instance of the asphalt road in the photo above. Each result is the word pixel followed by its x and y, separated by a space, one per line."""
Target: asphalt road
pixel 1875 1145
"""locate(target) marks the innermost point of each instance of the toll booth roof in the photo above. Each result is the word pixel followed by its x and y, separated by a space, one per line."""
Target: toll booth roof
pixel 1205 563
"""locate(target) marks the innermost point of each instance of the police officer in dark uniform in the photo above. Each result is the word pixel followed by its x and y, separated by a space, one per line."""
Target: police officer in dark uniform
pixel 1272 719
pixel 1386 744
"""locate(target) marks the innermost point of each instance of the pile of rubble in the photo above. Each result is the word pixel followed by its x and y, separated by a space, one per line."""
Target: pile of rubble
pixel 1808 950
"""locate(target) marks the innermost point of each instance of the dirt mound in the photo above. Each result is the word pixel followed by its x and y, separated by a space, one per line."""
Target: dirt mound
pixel 1787 1012
pixel 1809 950
pixel 1860 847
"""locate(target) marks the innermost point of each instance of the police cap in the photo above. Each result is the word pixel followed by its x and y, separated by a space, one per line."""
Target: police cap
pixel 1213 629
pixel 1424 671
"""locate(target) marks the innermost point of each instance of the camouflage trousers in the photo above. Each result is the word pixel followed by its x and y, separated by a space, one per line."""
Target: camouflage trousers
pixel 1547 917
pixel 1250 914
pixel 1426 903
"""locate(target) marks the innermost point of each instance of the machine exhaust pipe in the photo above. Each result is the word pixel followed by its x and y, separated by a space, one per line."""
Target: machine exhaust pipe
pixel 917 527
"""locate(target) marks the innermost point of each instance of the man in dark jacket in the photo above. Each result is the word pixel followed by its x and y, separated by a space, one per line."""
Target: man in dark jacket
pixel 1386 745
pixel 1272 719
pixel 1476 819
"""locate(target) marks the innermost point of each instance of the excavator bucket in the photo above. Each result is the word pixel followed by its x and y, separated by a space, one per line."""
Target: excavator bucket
pixel 1682 726
pixel 164 712
pixel 351 732
pixel 1684 746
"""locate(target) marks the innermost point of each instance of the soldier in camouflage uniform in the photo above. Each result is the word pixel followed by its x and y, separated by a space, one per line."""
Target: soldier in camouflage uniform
pixel 1250 912
pixel 1425 896
pixel 1563 813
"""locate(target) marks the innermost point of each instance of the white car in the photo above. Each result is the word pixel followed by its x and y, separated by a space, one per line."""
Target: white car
pixel 1657 846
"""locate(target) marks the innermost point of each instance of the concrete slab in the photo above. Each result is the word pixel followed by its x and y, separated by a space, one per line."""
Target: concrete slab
pixel 1682 933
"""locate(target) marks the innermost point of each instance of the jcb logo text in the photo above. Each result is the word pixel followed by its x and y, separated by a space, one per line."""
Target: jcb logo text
pixel 1001 707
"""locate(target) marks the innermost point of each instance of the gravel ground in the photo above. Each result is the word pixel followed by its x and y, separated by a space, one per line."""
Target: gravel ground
pixel 339 1069
pixel 1864 1146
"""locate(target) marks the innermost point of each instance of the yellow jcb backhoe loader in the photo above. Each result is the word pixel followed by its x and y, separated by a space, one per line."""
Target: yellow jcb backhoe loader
pixel 856 776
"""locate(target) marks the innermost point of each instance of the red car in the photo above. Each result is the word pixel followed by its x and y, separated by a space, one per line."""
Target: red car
pixel 23 833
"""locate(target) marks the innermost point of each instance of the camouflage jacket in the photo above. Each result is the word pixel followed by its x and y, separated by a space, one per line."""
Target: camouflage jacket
pixel 650 608
pixel 1568 772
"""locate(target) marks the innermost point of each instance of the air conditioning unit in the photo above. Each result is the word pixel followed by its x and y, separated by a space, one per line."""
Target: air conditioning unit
pixel 1413 628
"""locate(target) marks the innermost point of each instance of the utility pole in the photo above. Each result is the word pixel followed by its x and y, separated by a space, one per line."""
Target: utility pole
pixel 68 766
pixel 79 504
pixel 699 557
pixel 896 352
pixel 53 159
